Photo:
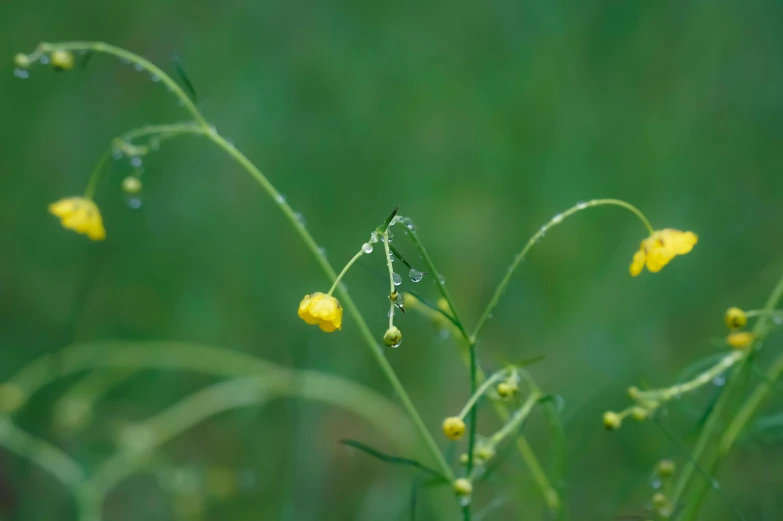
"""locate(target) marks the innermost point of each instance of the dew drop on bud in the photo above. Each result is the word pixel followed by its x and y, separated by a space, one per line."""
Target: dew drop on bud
pixel 396 279
pixel 415 275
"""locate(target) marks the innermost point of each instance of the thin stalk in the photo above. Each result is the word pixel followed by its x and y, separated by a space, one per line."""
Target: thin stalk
pixel 385 240
pixel 559 218
pixel 345 270
pixel 95 176
pixel 348 304
pixel 551 495
pixel 480 392
pixel 739 420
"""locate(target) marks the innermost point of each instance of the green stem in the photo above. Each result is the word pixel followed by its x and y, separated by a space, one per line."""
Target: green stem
pixel 385 240
pixel 348 304
pixel 345 270
pixel 551 495
pixel 559 218
pixel 92 184
pixel 745 412
pixel 130 57
pixel 480 392
pixel 516 419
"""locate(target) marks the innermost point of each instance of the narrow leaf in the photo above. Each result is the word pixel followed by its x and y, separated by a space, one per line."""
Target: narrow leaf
pixel 184 77
pixel 391 459
pixel 385 226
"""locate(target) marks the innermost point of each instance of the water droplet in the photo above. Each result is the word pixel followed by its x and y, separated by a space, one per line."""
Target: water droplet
pixel 442 279
pixel 322 251
pixel 21 73
pixel 134 201
pixel 719 380
pixel 299 218
pixel 396 279
pixel 138 67
pixel 559 403
pixel 409 224
pixel 396 345
pixel 655 483
pixel 464 501
pixel 155 78
pixel 279 198
pixel 396 219
pixel 777 319
pixel 399 300
pixel 116 153
pixel 135 162
pixel 557 219
pixel 44 59
pixel 230 142
pixel 415 275
pixel 374 237
pixel 581 205
pixel 367 247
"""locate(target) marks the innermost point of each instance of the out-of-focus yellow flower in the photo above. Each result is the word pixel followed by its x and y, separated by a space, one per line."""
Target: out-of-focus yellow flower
pixel 80 215
pixel 463 487
pixel 661 247
pixel 322 309
pixel 453 428
pixel 612 420
pixel 735 318
pixel 62 60
pixel 740 339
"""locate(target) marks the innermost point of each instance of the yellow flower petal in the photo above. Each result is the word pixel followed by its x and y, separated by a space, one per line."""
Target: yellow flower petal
pixel 80 215
pixel 657 250
pixel 323 310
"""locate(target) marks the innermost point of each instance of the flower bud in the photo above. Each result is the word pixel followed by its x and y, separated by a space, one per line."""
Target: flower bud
pixel 463 459
pixel 633 392
pixel 21 61
pixel 131 185
pixel 612 420
pixel 659 500
pixel 665 468
pixel 392 337
pixel 639 413
pixel 485 453
pixel 453 428
pixel 463 487
pixel 505 389
pixel 740 339
pixel 735 318
pixel 62 60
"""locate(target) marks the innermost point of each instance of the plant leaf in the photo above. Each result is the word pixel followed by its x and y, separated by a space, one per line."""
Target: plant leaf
pixel 385 226
pixel 184 77
pixel 387 458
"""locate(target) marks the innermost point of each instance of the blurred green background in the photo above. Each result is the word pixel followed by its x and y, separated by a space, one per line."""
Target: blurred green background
pixel 480 120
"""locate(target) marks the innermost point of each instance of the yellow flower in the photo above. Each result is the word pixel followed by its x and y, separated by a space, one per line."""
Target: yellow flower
pixel 453 428
pixel 659 248
pixel 80 215
pixel 612 420
pixel 736 318
pixel 463 487
pixel 739 340
pixel 321 309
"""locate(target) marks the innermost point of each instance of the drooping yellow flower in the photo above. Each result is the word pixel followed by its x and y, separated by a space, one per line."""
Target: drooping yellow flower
pixel 661 247
pixel 322 309
pixel 80 215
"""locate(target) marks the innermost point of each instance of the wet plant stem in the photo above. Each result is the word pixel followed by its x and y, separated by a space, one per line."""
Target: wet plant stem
pixel 208 131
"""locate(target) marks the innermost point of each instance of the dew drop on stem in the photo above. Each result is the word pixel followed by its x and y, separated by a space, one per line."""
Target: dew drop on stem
pixel 135 162
pixel 44 59
pixel 134 201
pixel 138 67
pixel 557 219
pixel 396 278
pixel 21 73
pixel 415 275
pixel 299 218
pixel 374 237
pixel 155 78
pixel 279 198
pixel 719 380
pixel 367 247
pixel 581 205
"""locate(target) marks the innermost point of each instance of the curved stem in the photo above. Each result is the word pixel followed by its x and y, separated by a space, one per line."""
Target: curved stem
pixel 745 412
pixel 480 392
pixel 385 240
pixel 130 57
pixel 308 240
pixel 44 454
pixel 551 495
pixel 557 219
pixel 345 270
